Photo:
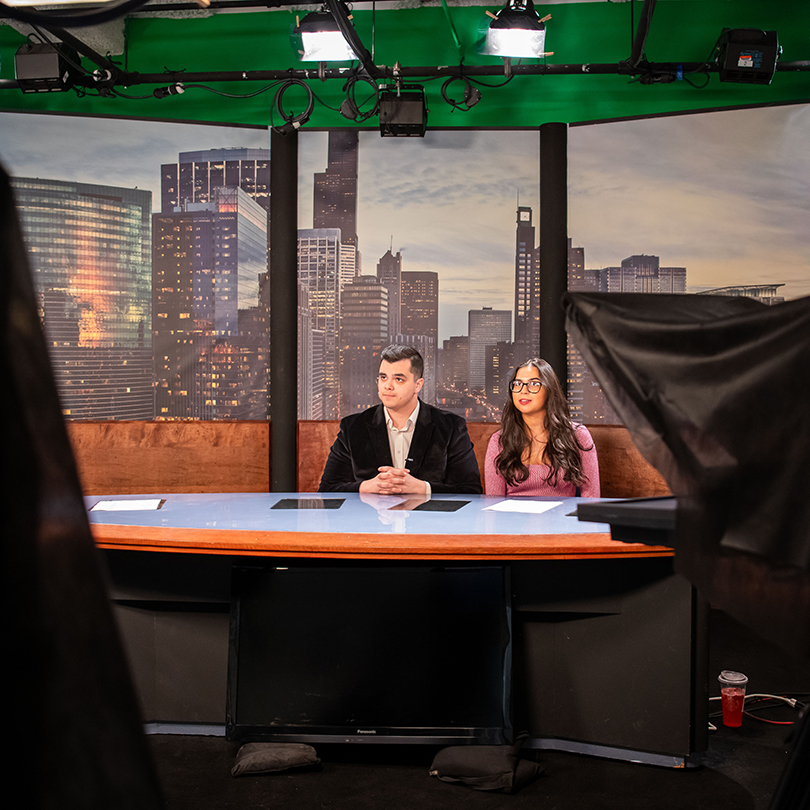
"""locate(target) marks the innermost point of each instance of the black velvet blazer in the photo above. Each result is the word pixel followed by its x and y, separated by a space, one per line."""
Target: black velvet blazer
pixel 441 452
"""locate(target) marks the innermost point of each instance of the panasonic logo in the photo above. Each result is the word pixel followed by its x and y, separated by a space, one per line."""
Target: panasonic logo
pixel 366 731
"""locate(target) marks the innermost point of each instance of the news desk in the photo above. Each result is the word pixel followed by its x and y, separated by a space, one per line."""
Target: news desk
pixel 611 657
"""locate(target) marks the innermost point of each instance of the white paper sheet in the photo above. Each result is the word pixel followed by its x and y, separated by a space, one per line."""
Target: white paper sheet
pixel 142 505
pixel 522 505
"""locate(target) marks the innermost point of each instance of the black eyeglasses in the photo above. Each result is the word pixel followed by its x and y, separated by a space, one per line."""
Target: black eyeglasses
pixel 517 385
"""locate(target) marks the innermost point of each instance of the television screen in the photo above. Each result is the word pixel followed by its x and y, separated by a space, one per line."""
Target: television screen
pixel 370 653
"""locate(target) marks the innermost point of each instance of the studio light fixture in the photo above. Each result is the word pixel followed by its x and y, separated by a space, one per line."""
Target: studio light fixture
pixel 318 38
pixel 42 68
pixel 747 55
pixel 516 31
pixel 403 111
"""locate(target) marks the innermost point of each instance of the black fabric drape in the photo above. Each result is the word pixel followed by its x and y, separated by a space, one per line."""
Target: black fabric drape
pixel 715 392
pixel 72 717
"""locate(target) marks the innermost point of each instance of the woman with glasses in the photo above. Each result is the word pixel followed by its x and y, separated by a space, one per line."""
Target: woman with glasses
pixel 538 450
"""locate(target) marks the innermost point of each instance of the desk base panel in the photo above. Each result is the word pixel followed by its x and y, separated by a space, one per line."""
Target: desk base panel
pixel 632 624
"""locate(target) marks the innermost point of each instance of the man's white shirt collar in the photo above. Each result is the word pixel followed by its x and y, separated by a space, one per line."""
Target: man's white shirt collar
pixel 412 418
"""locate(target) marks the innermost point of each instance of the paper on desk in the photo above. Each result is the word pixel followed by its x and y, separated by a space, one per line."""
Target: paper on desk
pixel 522 505
pixel 141 505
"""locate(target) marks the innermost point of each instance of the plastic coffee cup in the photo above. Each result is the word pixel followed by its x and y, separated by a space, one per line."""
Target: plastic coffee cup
pixel 732 694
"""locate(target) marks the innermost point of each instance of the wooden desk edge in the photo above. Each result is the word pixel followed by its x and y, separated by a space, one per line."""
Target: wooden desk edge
pixel 369 546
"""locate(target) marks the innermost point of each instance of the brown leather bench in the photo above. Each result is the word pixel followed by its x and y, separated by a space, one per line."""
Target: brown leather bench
pixel 163 457
pixel 132 458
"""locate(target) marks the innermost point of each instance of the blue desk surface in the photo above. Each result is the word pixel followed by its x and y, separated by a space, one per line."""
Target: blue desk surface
pixel 363 526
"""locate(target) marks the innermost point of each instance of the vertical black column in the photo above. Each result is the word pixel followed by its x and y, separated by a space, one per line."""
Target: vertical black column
pixel 283 310
pixel 553 245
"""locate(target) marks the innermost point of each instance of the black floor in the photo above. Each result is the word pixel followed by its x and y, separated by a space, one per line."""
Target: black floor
pixel 740 770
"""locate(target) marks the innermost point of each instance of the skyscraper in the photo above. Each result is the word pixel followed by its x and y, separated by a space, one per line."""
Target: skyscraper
pixel 576 267
pixel 527 285
pixel 88 247
pixel 335 194
pixel 310 361
pixel 389 272
pixel 196 174
pixel 419 321
pixel 319 273
pixel 486 327
pixel 194 179
pixel 455 362
pixel 364 333
pixel 500 360
pixel 254 331
pixel 642 274
pixel 580 379
pixel 426 346
pixel 304 357
pixel 207 261
pixel 419 303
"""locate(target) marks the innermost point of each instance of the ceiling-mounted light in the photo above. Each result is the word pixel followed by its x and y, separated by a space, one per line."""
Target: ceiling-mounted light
pixel 403 111
pixel 747 55
pixel 516 31
pixel 318 38
pixel 43 68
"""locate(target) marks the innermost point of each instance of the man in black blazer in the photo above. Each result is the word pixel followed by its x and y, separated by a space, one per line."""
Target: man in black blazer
pixel 402 445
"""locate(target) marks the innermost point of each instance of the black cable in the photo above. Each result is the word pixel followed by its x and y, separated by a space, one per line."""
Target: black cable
pixel 491 84
pixel 323 103
pixel 293 121
pixel 80 19
pixel 350 107
pixel 704 66
pixel 471 95
pixel 692 84
pixel 648 76
pixel 230 95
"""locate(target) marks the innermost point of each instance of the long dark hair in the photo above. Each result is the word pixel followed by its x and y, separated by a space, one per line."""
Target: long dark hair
pixel 562 448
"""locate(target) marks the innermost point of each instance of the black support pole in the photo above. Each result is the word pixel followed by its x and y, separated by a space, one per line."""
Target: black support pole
pixel 553 245
pixel 283 310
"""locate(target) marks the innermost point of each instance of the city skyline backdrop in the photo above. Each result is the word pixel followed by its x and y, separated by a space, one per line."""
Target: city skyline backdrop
pixel 454 214
pixel 725 194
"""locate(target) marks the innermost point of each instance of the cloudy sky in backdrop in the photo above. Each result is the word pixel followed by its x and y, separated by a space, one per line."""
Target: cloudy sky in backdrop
pixel 726 195
pixel 448 202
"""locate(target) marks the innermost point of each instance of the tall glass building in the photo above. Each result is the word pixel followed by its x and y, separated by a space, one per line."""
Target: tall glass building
pixel 487 327
pixel 196 176
pixel 319 251
pixel 89 249
pixel 363 334
pixel 527 285
pixel 215 206
pixel 334 202
pixel 207 263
